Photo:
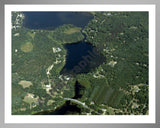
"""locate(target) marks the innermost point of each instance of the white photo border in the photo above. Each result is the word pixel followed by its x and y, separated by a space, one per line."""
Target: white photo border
pixel 80 119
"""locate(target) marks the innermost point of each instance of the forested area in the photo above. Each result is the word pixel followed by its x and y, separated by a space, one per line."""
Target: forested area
pixel 123 38
pixel 33 52
pixel 119 86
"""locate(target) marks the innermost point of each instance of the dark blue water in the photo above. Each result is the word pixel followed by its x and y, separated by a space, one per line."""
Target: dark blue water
pixel 81 57
pixel 51 20
pixel 67 109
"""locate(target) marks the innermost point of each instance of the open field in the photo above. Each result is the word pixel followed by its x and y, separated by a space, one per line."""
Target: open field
pixel 27 47
pixel 72 30
pixel 106 95
pixel 29 98
pixel 25 83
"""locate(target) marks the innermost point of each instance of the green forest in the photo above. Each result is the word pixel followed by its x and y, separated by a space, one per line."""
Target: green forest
pixel 119 86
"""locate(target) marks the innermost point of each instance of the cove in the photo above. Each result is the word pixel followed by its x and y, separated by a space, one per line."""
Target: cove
pixel 81 57
pixel 51 20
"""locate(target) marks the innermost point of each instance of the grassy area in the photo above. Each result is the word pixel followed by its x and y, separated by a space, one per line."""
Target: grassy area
pixel 72 30
pixel 98 98
pixel 106 95
pixel 29 98
pixel 115 98
pixel 25 83
pixel 27 47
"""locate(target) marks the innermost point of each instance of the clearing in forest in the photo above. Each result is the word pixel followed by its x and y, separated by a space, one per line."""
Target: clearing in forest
pixel 27 47
pixel 72 30
pixel 25 83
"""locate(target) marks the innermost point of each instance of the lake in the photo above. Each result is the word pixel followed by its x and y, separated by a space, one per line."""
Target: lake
pixel 51 20
pixel 81 56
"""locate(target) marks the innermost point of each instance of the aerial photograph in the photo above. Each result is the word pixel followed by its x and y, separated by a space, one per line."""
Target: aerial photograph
pixel 80 63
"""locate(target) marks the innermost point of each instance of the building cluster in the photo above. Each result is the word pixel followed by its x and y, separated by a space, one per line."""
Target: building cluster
pixel 18 21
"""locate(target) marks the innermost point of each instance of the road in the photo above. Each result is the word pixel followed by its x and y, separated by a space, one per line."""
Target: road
pixel 77 101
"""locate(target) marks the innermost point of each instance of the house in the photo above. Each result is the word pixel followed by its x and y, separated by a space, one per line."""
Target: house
pixel 92 102
pixel 67 78
pixel 48 86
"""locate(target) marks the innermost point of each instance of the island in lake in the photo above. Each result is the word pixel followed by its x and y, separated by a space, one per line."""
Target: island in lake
pixel 80 63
